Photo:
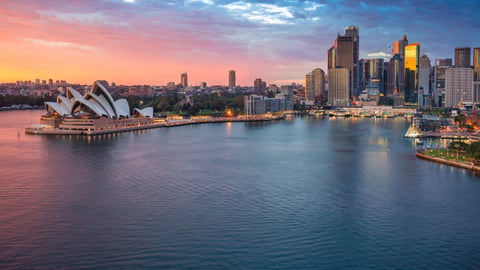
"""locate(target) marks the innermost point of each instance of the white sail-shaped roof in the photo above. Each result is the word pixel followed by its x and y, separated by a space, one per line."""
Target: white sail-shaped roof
pixel 73 94
pixel 53 106
pixel 65 103
pixel 98 101
pixel 100 89
pixel 122 107
pixel 146 112
pixel 98 110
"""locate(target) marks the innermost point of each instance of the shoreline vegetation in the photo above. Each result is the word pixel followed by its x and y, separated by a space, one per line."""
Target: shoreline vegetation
pixel 453 157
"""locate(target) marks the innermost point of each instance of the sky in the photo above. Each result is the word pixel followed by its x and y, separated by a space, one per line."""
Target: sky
pixel 154 41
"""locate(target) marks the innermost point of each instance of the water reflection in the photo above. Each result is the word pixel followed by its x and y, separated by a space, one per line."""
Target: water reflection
pixel 301 193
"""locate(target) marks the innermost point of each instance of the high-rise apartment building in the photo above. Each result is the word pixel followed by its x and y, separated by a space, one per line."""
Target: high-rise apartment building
pixel 344 54
pixel 412 55
pixel 184 80
pixel 462 57
pixel 476 64
pixel 231 79
pixel 458 86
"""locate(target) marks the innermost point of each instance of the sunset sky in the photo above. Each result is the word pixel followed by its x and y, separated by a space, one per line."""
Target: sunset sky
pixel 153 41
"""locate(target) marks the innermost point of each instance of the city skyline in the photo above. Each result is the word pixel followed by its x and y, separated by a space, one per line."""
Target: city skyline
pixel 146 42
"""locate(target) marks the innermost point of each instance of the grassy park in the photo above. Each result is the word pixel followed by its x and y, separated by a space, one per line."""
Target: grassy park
pixel 457 151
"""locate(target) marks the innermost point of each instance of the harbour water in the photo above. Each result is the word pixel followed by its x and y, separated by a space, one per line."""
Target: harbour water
pixel 302 193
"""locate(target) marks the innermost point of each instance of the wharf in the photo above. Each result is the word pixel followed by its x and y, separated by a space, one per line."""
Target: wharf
pixel 158 123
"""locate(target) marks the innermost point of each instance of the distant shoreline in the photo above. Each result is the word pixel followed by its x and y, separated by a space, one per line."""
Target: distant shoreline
pixel 21 109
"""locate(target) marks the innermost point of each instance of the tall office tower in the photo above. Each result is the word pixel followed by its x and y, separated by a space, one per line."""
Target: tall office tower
pixel 354 32
pixel 231 79
pixel 319 84
pixel 399 46
pixel 376 74
pixel 331 58
pixel 476 92
pixel 447 62
pixel 344 54
pixel 338 85
pixel 424 71
pixel 438 85
pixel 412 53
pixel 462 57
pixel 363 74
pixel 476 64
pixel 458 86
pixel 184 80
pixel 309 89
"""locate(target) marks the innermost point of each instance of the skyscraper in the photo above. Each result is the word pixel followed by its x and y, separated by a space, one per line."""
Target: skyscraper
pixel 412 55
pixel 424 70
pixel 363 74
pixel 354 32
pixel 476 64
pixel 447 62
pixel 396 76
pixel 344 54
pixel 458 85
pixel 438 85
pixel 231 79
pixel 319 84
pixel 462 57
pixel 338 85
pixel 184 80
pixel 309 89
pixel 399 46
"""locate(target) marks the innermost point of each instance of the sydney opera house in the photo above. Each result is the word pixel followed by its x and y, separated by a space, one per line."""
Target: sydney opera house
pixel 94 111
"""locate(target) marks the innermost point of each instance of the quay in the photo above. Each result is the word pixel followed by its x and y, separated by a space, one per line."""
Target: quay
pixel 88 128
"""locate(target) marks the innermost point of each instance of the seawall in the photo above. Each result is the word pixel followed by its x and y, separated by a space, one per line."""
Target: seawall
pixel 59 131
pixel 462 165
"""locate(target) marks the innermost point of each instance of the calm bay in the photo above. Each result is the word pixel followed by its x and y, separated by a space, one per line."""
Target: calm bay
pixel 301 193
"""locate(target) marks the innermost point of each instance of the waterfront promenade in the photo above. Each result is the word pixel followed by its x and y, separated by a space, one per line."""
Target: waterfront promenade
pixel 157 123
pixel 465 164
